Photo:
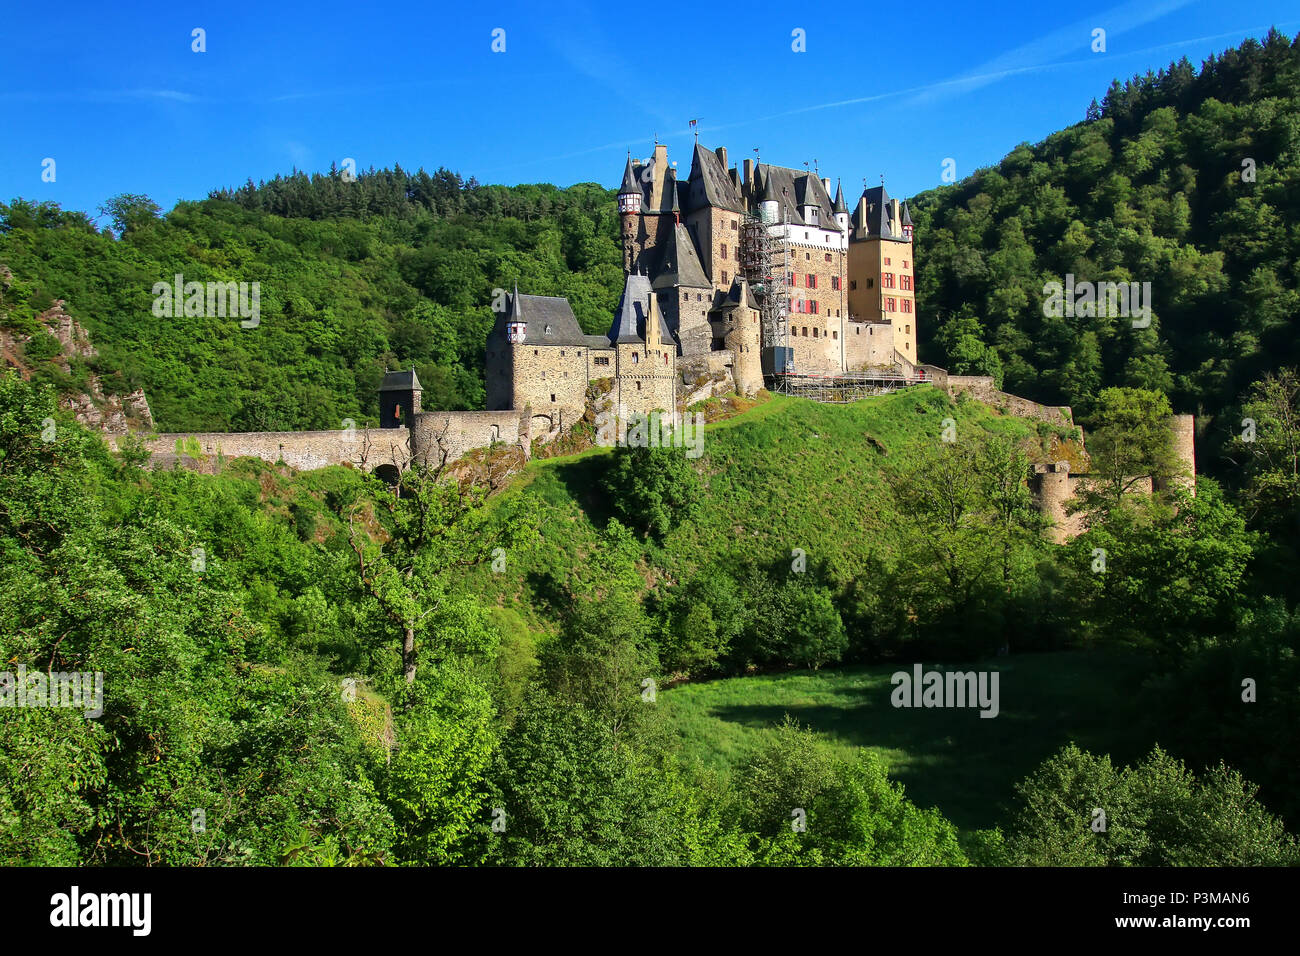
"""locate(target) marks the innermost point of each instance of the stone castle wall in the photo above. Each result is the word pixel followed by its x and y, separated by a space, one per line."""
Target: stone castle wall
pixel 362 447
pixel 980 387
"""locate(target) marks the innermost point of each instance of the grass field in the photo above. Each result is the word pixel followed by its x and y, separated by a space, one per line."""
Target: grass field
pixel 952 759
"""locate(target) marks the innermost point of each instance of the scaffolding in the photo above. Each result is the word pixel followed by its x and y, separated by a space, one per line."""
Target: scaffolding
pixel 765 262
pixel 842 387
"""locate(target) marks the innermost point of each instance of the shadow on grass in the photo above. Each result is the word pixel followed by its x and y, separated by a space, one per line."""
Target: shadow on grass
pixel 955 760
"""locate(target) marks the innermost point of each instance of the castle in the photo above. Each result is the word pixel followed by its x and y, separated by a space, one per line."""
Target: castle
pixel 733 280
pixel 731 276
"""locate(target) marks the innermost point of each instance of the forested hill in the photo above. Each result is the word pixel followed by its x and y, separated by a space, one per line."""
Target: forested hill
pixel 390 269
pixel 1155 186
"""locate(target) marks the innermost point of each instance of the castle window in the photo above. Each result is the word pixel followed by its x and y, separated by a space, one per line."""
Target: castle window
pixel 907 329
pixel 907 305
pixel 812 281
pixel 857 331
pixel 561 353
pixel 886 261
pixel 534 351
pixel 835 335
pixel 828 257
pixel 724 250
pixel 602 360
pixel 552 396
pixel 724 277
pixel 805 331
pixel 636 358
pixel 734 225
pixel 543 376
pixel 665 358
pixel 812 306
pixel 870 283
pixel 905 265
pixel 807 255
pixel 638 386
pixel 805 235
pixel 835 282
pixel 515 332
pixel 853 283
pixel 814 331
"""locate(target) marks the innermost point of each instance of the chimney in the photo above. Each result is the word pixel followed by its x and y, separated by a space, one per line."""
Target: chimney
pixel 657 176
pixel 722 155
pixel 826 185
pixel 749 171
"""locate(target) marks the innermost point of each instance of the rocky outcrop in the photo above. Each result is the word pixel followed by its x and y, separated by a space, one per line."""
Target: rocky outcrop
pixel 114 414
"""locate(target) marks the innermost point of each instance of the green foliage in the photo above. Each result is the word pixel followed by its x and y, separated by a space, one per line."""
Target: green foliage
pixel 1173 576
pixel 1150 188
pixel 652 489
pixel 811 806
pixel 388 271
pixel 1156 813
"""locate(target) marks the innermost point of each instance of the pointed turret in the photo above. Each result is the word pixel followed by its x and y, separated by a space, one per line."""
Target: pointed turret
pixel 629 195
pixel 839 199
pixel 629 178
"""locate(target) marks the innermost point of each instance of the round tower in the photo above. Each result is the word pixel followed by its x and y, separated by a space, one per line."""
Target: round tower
pixel 1053 489
pixel 629 214
pixel 1184 429
pixel 740 327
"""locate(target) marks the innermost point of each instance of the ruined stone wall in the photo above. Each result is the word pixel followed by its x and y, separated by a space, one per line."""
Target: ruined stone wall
pixel 980 387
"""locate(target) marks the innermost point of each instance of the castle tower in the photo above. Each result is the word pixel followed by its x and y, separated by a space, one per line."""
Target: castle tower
pixel 645 354
pixel 881 273
pixel 1053 487
pixel 629 213
pixel 1184 429
pixel 841 210
pixel 399 399
pixel 741 333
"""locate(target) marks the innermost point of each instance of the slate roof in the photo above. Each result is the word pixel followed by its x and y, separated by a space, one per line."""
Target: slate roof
pixel 732 298
pixel 794 189
pixel 710 185
pixel 401 382
pixel 879 221
pixel 678 262
pixel 629 179
pixel 839 199
pixel 674 194
pixel 633 311
pixel 539 313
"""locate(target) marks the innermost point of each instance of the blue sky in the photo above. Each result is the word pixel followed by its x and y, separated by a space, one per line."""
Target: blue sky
pixel 117 97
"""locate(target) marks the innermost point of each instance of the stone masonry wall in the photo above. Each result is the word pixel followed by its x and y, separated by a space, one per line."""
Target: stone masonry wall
pixel 368 447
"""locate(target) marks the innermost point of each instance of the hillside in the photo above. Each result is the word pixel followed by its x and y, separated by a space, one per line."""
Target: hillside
pixel 397 270
pixel 1187 180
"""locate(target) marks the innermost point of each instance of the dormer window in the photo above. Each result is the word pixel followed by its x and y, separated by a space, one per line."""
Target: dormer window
pixel 547 330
